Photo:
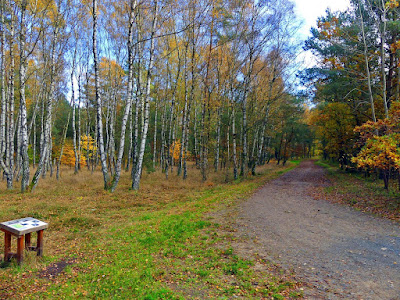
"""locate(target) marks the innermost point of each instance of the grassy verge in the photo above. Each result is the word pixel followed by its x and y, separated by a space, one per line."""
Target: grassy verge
pixel 158 243
pixel 363 193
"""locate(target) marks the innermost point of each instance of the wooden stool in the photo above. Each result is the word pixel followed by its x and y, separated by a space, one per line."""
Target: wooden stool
pixel 22 228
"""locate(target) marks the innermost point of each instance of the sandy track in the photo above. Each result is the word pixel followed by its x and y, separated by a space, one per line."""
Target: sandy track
pixel 343 253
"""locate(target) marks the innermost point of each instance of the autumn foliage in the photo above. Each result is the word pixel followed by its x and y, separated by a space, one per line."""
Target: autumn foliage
pixel 88 150
pixel 175 151
pixel 334 127
pixel 379 142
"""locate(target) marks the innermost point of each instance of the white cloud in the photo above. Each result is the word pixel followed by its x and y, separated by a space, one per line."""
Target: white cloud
pixel 310 10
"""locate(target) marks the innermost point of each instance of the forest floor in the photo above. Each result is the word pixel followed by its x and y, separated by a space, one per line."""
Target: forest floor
pixel 161 242
pixel 340 251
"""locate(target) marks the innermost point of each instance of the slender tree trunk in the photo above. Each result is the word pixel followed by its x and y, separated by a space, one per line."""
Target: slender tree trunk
pixel 253 151
pixel 163 137
pixel 155 137
pixel 98 101
pixel 2 82
pixel 34 143
pixel 10 115
pixel 235 169
pixel 79 123
pixel 383 60
pixel 203 137
pixel 129 97
pixel 136 131
pixel 139 95
pixel 45 154
pixel 247 82
pixel 129 158
pixel 371 99
pixel 73 111
pixel 136 179
pixel 186 144
pixel 196 142
pixel 111 138
pixel 89 160
pixel 62 148
pixel 262 136
pixel 217 143
pixel 4 144
pixel 184 116
pixel 171 135
pixel 17 132
pixel 23 110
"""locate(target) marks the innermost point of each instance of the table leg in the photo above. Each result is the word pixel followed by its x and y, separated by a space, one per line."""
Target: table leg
pixel 27 241
pixel 7 245
pixel 20 249
pixel 40 243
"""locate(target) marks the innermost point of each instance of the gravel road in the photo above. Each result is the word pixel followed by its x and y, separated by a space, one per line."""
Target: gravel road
pixel 341 252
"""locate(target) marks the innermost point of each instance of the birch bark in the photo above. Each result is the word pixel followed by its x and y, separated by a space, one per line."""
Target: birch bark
pixel 155 137
pixel 46 150
pixel 10 116
pixel 2 82
pixel 128 105
pixel 371 99
pixel 100 138
pixel 62 148
pixel 23 110
pixel 139 166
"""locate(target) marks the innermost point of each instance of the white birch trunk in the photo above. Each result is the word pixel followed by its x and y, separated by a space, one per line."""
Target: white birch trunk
pixel 217 142
pixel 45 154
pixel 182 152
pixel 79 123
pixel 102 153
pixel 23 110
pixel 163 137
pixel 383 72
pixel 371 99
pixel 138 172
pixel 235 170
pixel 155 137
pixel 10 117
pixel 3 85
pixel 73 113
pixel 62 148
pixel 128 100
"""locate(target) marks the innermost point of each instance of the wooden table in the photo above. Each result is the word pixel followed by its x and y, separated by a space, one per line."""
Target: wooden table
pixel 22 230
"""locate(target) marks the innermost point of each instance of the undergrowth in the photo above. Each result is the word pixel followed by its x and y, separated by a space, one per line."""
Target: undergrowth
pixel 158 243
pixel 365 193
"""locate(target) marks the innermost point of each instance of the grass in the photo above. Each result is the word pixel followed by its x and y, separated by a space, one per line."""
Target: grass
pixel 363 193
pixel 158 243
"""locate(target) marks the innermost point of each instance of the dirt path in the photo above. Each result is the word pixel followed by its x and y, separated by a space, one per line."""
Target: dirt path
pixel 343 253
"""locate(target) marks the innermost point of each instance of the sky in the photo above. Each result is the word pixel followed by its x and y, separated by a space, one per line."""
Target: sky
pixel 309 11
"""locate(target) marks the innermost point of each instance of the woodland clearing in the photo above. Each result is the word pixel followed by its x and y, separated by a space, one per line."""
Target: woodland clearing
pixel 157 243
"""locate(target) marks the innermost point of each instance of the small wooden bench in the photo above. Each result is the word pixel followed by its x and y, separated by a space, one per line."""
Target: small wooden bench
pixel 22 228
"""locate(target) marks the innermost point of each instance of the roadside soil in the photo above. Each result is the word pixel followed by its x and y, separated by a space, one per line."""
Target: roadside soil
pixel 341 253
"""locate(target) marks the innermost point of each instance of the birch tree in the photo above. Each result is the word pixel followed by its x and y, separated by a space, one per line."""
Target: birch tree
pixel 100 136
pixel 128 104
pixel 146 112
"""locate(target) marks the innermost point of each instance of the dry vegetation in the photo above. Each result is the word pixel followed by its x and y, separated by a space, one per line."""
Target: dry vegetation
pixel 158 243
pixel 363 193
